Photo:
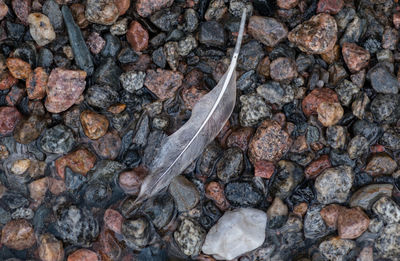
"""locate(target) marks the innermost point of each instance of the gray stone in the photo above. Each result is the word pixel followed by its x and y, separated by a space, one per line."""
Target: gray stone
pixel 333 185
pixel 367 195
pixel 336 249
pixel 189 236
pixel 314 225
pixel 132 81
pixel 52 10
pixel 212 33
pixel 274 92
pixel 382 80
pixel 185 193
pixel 387 210
pixel 388 241
pixel 58 139
pixel 230 165
pixel 253 111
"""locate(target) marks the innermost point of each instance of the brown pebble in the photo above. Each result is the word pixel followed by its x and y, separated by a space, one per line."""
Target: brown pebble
pixel 269 143
pixel 191 96
pixel 122 5
pixel 287 4
pixel 264 169
pixel 283 68
pixel 9 117
pixel 311 102
pixel 36 84
pixel 330 214
pixel 18 234
pixel 331 56
pixel 95 43
pixel 3 9
pixel 56 186
pixel 240 138
pixel 300 209
pixel 18 68
pixel 396 20
pixel 94 125
pixel 356 57
pixel 15 95
pixel 215 192
pixel 7 80
pixel 83 255
pixel 267 30
pixel 317 166
pixel 38 189
pixel 352 223
pixel 146 7
pixel 316 36
pixel 329 113
pixel 381 164
pixel 29 129
pixel 264 67
pixel 78 12
pixel 79 161
pixel 137 36
pixel 329 6
pixel 113 220
pixel 117 108
pixel 50 248
pixel 108 146
pixel 163 83
pixel 21 8
pixel 104 12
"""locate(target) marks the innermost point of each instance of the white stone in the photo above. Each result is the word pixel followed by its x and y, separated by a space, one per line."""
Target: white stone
pixel 236 233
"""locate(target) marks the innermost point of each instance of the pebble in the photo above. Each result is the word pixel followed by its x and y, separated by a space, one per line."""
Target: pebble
pixel 336 136
pixel 329 113
pixel 216 10
pixel 120 27
pixel 317 35
pixel 81 52
pixel 108 146
pixel 240 138
pixel 18 234
pixel 270 142
pixel 52 10
pixel 131 180
pixel 3 9
pixel 78 13
pixel 311 102
pixel 264 169
pixel 64 88
pixel 137 36
pixel 277 214
pixel 36 84
pixel 242 194
pixel 103 12
pixel 382 80
pixel 287 177
pixel 18 68
pixel 132 80
pixel 22 9
pixel 95 43
pixel 101 96
pixel 391 139
pixel 20 166
pixel 79 161
pixel 356 57
pixel 29 129
pixel 166 19
pixel 113 220
pixel 50 249
pixel 9 118
pixel 253 111
pixel 212 33
pixel 387 210
pixel 163 83
pixel 83 255
pixel 385 107
pixel 184 193
pixel 390 38
pixel 336 249
pixel 334 184
pixel 7 80
pixel 41 29
pixel 366 196
pixel 38 189
pixel 314 225
pixel 230 166
pixel 330 214
pixel 268 31
pixel 189 236
pixel 282 69
pixel 246 227
pixel 123 6
pixel 287 4
pixel 160 209
pixel 317 166
pixel 346 91
pixel 191 96
pixel 330 6
pixel 386 243
pixel 147 7
pixel 94 125
pixel 58 139
pixel 250 55
pixel 381 164
pixel 352 223
pixel 357 147
pixel 215 192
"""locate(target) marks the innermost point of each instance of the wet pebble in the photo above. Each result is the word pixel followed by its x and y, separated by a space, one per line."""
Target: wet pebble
pixel 283 69
pixel 80 161
pixel 94 125
pixel 18 234
pixel 212 33
pixel 189 236
pixel 381 164
pixel 253 111
pixel 184 193
pixel 352 223
pixel 132 80
pixel 336 248
pixel 50 248
pixel 163 83
pixel 83 255
pixel 230 165
pixel 356 57
pixel 9 117
pixel 137 36
pixel 386 243
pixel 103 12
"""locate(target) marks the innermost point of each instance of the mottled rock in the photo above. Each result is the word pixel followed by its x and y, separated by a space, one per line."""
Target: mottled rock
pixel 18 234
pixel 250 55
pixel 311 102
pixel 212 33
pixel 9 117
pixel 215 192
pixel 41 29
pixel 246 230
pixel 283 68
pixel 317 166
pixel 356 57
pixel 317 35
pixel 131 180
pixel 268 31
pixel 388 240
pixel 52 10
pixel 336 249
pixel 58 139
pixel 7 80
pixel 277 213
pixel 269 143
pixel 163 83
pixel 132 80
pixel 113 220
pixel 286 4
pixel 101 96
pixel 29 129
pixel 108 146
pixel 137 36
pixel 230 165
pixel 18 68
pixel 50 249
pixel 94 125
pixel 334 184
pixel 36 84
pixel 387 210
pixel 385 107
pixel 64 88
pixel 189 236
pixel 357 147
pixel 147 7
pixel 21 8
pixel 253 111
pixel 287 177
pixel 83 255
pixel 330 6
pixel 79 161
pixel 352 223
pixel 382 80
pixel 381 164
pixel 336 136
pixel 95 43
pixel 243 194
pixel 3 9
pixel 330 214
pixel 101 12
pixel 329 113
pixel 314 225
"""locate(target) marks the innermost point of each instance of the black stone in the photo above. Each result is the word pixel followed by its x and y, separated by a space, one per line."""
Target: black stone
pixel 212 33
pixel 108 73
pixel 112 46
pixel 243 194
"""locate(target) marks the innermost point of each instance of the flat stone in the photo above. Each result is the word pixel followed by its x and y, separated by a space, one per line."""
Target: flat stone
pixel 268 31
pixel 184 192
pixel 367 195
pixel 163 83
pixel 246 230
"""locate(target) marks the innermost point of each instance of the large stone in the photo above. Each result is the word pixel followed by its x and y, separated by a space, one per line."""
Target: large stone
pixel 41 29
pixel 388 241
pixel 18 234
pixel 64 89
pixel 387 210
pixel 189 237
pixel 236 233
pixel 267 30
pixel 317 35
pixel 101 11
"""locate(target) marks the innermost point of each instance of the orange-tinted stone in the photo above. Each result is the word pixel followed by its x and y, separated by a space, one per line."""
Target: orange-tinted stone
pixel 15 95
pixel 300 209
pixel 311 102
pixel 78 12
pixel 36 84
pixel 94 125
pixel 3 9
pixel 83 255
pixel 332 55
pixel 117 108
pixel 137 36
pixel 163 83
pixel 191 96
pixel 122 5
pixel 18 68
pixel 240 138
pixel 215 191
pixel 79 161
pixel 50 248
